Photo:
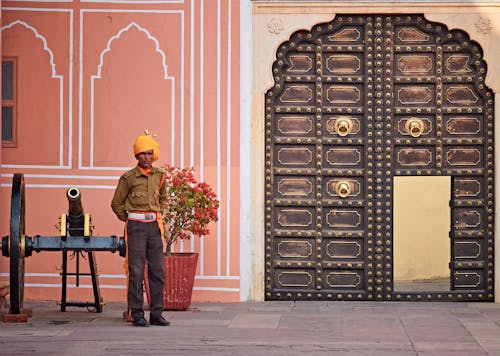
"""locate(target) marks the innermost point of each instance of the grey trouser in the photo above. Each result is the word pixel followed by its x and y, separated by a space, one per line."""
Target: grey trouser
pixel 145 243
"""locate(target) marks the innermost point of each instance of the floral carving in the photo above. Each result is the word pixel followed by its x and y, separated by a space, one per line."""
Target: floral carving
pixel 483 25
pixel 275 26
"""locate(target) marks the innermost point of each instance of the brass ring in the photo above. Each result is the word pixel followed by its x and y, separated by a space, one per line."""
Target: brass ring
pixel 343 189
pixel 22 246
pixel 73 193
pixel 343 126
pixel 414 127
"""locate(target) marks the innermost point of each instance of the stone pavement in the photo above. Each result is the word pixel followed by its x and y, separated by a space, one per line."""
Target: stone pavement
pixel 267 328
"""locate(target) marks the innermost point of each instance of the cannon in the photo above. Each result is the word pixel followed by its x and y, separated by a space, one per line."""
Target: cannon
pixel 75 236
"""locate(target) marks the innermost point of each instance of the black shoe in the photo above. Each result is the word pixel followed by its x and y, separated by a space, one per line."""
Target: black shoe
pixel 160 321
pixel 141 322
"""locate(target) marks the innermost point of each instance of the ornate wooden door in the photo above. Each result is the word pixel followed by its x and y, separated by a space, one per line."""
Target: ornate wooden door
pixel 356 102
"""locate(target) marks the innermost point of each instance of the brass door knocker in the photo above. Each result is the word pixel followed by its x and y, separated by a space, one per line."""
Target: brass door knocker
pixel 414 127
pixel 343 126
pixel 343 188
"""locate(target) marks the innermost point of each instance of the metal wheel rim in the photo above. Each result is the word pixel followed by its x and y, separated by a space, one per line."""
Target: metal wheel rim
pixel 17 230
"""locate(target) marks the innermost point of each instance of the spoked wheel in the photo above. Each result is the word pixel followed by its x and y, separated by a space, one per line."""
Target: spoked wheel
pixel 17 244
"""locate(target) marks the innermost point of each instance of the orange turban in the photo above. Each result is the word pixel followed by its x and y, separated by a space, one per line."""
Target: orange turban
pixel 145 143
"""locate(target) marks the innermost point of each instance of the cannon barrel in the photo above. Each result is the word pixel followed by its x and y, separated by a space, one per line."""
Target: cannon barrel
pixel 76 216
pixel 75 202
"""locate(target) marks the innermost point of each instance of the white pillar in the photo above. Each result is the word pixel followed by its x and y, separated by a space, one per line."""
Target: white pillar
pixel 246 233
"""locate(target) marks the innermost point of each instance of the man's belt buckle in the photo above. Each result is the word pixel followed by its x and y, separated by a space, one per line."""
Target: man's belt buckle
pixel 142 216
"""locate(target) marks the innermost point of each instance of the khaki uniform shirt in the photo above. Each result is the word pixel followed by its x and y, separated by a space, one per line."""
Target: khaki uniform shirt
pixel 137 192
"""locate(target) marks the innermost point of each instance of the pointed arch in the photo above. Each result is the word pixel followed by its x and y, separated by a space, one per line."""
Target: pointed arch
pixel 119 34
pixel 53 74
pixel 41 38
pixel 99 75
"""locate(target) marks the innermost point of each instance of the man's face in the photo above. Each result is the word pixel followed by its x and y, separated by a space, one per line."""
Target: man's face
pixel 145 159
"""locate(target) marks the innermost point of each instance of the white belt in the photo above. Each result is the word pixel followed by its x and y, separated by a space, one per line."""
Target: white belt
pixel 142 216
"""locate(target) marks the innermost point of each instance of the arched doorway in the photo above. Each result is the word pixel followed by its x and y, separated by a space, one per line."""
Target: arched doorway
pixel 358 105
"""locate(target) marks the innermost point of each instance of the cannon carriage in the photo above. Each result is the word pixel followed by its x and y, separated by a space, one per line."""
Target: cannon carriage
pixel 75 236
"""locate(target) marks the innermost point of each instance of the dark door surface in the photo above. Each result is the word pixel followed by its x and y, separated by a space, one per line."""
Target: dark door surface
pixel 356 102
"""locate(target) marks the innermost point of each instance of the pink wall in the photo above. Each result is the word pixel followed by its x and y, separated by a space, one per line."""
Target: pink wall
pixel 92 76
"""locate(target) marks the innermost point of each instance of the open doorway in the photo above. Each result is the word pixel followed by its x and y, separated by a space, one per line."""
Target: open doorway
pixel 422 252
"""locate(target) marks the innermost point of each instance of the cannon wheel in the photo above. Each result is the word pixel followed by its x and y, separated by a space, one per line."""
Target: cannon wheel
pixel 16 244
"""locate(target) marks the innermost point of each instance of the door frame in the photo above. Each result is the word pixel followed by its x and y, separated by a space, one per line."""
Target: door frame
pixel 272 24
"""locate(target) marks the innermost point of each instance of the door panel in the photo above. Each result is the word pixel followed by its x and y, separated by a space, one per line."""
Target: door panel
pixel 356 102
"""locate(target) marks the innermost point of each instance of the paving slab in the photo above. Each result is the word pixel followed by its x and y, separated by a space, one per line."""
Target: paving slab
pixel 266 328
pixel 256 320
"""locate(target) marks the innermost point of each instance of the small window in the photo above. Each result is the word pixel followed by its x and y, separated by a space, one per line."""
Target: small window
pixel 9 70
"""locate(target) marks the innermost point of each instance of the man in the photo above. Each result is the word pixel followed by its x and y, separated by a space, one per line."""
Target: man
pixel 138 201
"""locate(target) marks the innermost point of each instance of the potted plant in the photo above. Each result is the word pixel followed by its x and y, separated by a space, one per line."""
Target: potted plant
pixel 190 207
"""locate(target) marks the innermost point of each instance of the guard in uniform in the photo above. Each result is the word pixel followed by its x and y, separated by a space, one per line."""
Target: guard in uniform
pixel 138 200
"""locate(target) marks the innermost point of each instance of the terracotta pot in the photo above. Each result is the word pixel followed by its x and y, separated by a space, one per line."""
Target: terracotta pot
pixel 180 270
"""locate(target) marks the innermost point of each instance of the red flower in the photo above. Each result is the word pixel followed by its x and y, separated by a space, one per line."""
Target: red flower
pixel 190 205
